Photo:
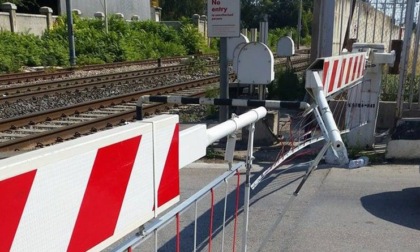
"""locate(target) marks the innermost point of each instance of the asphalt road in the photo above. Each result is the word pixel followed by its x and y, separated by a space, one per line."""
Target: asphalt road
pixel 372 208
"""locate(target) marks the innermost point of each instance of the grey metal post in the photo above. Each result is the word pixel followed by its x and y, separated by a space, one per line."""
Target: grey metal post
pixel 264 30
pixel 106 16
pixel 383 22
pixel 224 79
pixel 374 22
pixel 340 46
pixel 327 28
pixel 409 16
pixel 323 27
pixel 253 35
pixel 394 7
pixel 70 33
pixel 299 24
pixel 245 31
pixel 358 18
pixel 416 53
pixel 249 160
pixel 402 11
pixel 366 24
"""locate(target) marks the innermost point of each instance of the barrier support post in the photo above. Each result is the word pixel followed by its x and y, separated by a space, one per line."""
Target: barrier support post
pixel 333 133
pixel 249 159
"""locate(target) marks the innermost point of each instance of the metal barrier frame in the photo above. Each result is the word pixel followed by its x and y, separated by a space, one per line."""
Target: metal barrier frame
pixel 157 224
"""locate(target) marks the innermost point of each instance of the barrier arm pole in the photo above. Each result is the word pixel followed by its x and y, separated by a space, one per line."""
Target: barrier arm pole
pixel 315 85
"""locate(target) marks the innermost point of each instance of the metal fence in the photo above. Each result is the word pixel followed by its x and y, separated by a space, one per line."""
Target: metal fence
pixel 206 220
pixel 385 21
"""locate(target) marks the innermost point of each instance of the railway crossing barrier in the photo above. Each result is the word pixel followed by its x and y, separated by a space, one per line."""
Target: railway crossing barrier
pixel 87 193
pixel 326 78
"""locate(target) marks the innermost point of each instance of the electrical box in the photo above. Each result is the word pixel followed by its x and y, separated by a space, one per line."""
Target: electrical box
pixel 285 47
pixel 232 43
pixel 255 64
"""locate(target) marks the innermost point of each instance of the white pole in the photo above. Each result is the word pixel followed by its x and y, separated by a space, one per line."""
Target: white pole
pixel 327 116
pixel 230 126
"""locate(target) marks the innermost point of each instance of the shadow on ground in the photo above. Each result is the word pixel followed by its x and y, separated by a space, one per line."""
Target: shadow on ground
pixel 399 207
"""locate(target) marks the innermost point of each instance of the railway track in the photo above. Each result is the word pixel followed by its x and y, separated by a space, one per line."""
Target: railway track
pixel 13 93
pixel 49 127
pixel 63 73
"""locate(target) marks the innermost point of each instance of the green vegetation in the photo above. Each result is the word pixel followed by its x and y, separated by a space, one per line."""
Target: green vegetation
pixel 286 86
pixel 22 3
pixel 275 34
pixel 124 41
pixel 196 65
pixel 390 84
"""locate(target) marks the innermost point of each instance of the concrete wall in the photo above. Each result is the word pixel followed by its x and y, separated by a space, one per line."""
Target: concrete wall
pixel 4 21
pixel 368 25
pixel 29 23
pixel 25 23
pixel 128 8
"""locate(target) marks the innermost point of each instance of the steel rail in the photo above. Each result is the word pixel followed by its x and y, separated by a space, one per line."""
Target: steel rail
pixel 58 73
pixel 19 92
pixel 74 130
pixel 79 87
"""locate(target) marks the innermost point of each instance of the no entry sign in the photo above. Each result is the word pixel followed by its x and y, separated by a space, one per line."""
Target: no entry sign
pixel 223 18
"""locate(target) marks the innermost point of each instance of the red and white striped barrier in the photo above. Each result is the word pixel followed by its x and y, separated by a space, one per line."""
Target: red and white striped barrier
pixel 339 72
pixel 88 193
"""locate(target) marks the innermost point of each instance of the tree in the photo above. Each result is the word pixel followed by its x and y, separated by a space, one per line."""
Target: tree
pixel 175 9
pixel 21 3
pixel 280 13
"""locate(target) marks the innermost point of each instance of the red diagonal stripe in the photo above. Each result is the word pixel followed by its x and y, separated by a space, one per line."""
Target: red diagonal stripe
pixel 349 71
pixel 325 72
pixel 355 69
pixel 340 78
pixel 169 183
pixel 14 193
pixel 104 194
pixel 333 74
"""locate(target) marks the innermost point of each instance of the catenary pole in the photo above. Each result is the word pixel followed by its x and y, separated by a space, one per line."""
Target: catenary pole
pixel 70 33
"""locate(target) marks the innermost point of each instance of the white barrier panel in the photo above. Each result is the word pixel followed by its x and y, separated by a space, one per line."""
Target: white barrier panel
pixel 88 193
pixel 165 160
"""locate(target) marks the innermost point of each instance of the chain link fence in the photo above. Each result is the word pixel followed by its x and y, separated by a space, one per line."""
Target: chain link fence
pixel 392 23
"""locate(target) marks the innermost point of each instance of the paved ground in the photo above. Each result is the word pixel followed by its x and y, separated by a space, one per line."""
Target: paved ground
pixel 372 208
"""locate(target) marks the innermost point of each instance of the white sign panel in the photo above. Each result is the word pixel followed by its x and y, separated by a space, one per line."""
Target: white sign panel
pixel 223 18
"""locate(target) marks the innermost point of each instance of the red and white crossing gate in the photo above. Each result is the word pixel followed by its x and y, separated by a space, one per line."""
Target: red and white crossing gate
pixel 87 193
pixel 329 76
pixel 324 78
pixel 339 72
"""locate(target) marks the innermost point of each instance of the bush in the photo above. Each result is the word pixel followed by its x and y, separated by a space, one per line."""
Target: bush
pixel 192 39
pixel 287 86
pixel 124 41
pixel 276 34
